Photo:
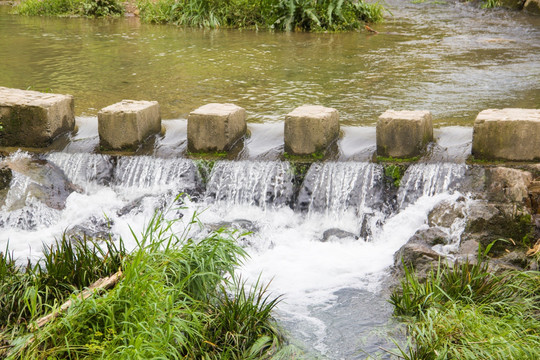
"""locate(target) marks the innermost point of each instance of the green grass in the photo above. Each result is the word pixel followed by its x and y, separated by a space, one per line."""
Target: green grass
pixel 395 173
pixel 89 8
pixel 397 160
pixel 287 15
pixel 465 311
pixel 178 298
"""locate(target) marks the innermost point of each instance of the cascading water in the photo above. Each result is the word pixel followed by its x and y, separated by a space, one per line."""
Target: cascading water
pixel 325 244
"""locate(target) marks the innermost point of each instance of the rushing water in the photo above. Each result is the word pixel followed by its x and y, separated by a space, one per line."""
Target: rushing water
pixel 326 238
pixel 451 58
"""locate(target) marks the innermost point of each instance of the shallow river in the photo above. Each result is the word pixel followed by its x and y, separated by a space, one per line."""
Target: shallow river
pixel 452 59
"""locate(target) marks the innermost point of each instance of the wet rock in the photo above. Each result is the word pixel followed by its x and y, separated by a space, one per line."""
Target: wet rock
pixel 5 177
pixel 488 222
pixel 310 129
pixel 338 234
pixel 468 249
pixel 534 196
pixel 34 119
pixel 94 227
pixel 418 256
pixel 445 213
pixel 41 180
pixel 238 224
pixel 403 134
pixel 507 185
pixel 431 236
pixel 532 6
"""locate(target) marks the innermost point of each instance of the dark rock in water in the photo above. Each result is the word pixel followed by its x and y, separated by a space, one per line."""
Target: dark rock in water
pixel 238 224
pixel 430 237
pixel 137 206
pixel 48 183
pixel 445 213
pixel 337 233
pixel 5 177
pixel 95 228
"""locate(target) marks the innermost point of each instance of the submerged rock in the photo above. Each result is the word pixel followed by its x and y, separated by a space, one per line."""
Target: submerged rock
pixel 39 179
pixel 338 234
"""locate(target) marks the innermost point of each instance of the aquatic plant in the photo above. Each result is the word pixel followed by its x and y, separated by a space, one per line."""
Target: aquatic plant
pixel 304 15
pixel 176 296
pixel 465 311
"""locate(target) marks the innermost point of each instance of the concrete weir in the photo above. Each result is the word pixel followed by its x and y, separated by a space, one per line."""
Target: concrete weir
pixel 310 129
pixel 126 124
pixel 403 134
pixel 507 134
pixel 34 119
pixel 215 127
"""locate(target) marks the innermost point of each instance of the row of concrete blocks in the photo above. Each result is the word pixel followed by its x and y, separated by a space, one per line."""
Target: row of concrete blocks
pixel 32 119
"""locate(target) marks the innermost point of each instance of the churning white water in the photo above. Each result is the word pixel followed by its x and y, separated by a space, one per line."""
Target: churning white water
pixel 324 239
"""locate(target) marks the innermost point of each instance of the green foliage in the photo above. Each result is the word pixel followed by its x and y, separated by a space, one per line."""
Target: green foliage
pixel 490 4
pixel 288 15
pixel 68 265
pixel 464 311
pixel 394 172
pixel 174 299
pixel 90 8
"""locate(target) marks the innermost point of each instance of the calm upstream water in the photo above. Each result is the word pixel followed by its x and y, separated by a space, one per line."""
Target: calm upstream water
pixel 452 59
pixel 327 243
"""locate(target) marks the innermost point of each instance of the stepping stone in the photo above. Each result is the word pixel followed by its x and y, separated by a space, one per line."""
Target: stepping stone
pixel 310 129
pixel 507 134
pixel 403 134
pixel 34 119
pixel 126 124
pixel 215 127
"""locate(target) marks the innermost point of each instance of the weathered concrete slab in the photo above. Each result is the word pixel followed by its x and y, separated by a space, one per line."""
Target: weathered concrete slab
pixel 126 124
pixel 215 127
pixel 310 129
pixel 403 134
pixel 32 118
pixel 507 134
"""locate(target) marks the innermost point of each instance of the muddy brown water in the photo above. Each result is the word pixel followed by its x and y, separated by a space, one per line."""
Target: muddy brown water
pixel 453 59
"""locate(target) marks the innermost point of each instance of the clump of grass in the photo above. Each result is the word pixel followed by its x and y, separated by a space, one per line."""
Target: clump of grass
pixel 174 299
pixel 303 15
pixel 89 8
pixel 30 291
pixel 464 311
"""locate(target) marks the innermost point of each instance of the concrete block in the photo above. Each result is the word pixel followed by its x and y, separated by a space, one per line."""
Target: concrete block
pixel 126 124
pixel 507 134
pixel 215 127
pixel 310 129
pixel 403 134
pixel 32 118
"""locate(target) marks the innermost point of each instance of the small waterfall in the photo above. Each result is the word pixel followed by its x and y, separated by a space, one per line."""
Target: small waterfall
pixel 83 169
pixel 146 172
pixel 336 187
pixel 264 184
pixel 429 180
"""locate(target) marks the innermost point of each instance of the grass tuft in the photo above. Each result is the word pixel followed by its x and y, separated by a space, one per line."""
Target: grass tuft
pixel 464 311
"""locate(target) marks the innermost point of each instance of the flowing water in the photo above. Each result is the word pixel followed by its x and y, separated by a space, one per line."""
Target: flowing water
pixel 451 58
pixel 324 237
